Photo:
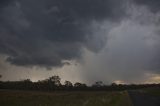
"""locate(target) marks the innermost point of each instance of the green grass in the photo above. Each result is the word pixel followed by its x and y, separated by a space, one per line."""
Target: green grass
pixel 26 98
pixel 152 91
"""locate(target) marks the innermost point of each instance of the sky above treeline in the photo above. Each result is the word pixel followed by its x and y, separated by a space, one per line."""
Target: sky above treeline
pixel 80 40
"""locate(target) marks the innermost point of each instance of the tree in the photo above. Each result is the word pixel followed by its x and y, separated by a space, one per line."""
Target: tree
pixel 98 84
pixel 113 84
pixel 68 84
pixel 80 86
pixel 56 80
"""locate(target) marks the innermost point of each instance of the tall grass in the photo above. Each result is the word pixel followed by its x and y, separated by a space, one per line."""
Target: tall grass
pixel 19 98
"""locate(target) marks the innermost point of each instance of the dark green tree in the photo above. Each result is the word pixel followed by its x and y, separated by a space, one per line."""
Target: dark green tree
pixel 68 84
pixel 56 80
pixel 98 84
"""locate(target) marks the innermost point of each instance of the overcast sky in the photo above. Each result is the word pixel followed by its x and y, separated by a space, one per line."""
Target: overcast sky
pixel 80 40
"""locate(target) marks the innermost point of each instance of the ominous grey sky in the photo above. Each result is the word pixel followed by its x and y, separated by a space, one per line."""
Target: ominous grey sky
pixel 80 40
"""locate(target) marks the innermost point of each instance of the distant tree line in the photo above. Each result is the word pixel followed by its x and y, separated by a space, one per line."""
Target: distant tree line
pixel 54 84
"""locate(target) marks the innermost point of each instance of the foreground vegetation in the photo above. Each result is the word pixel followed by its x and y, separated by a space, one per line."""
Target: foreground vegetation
pixel 154 91
pixel 26 98
pixel 54 84
pixel 50 92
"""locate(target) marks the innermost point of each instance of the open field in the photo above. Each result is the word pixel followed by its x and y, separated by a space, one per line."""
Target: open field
pixel 29 98
pixel 155 91
pixel 145 97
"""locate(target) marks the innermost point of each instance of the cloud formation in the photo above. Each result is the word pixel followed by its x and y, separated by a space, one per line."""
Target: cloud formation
pixel 112 40
pixel 152 4
pixel 131 52
pixel 47 32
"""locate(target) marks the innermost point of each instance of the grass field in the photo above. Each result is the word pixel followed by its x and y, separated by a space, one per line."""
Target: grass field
pixel 26 98
pixel 155 91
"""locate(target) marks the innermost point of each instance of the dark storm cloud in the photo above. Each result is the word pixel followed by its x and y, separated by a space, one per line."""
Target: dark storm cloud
pixel 4 2
pixel 154 5
pixel 46 32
